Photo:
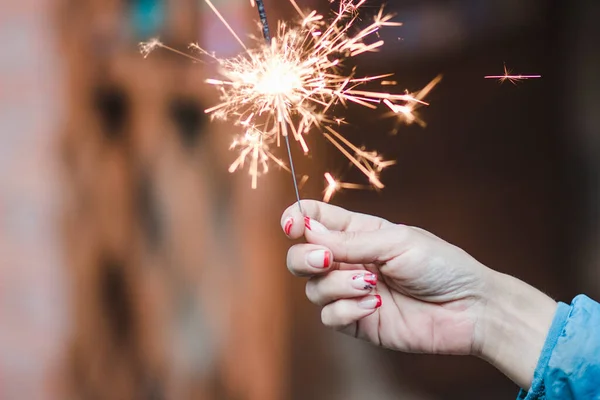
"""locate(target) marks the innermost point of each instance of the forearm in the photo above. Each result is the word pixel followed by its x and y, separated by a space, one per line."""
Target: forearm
pixel 513 327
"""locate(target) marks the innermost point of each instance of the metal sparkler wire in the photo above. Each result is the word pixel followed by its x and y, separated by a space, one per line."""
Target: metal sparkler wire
pixel 260 6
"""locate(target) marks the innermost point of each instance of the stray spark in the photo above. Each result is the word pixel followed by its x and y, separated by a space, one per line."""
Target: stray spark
pixel 508 76
pixel 303 181
pixel 334 186
pixel 148 47
pixel 292 85
pixel 406 113
pixel 252 145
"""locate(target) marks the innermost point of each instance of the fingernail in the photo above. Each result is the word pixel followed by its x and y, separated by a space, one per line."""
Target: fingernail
pixel 319 258
pixel 289 222
pixel 364 281
pixel 370 302
pixel 314 226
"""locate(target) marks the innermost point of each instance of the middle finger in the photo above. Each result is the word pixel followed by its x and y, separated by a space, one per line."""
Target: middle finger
pixel 309 259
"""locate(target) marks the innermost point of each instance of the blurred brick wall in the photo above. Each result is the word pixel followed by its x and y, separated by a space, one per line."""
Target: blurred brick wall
pixel 33 312
pixel 175 295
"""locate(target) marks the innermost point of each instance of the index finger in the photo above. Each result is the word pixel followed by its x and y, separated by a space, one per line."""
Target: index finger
pixel 332 217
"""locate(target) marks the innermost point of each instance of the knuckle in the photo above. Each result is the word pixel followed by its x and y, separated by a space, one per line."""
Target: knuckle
pixel 290 262
pixel 417 255
pixel 334 315
pixel 327 317
pixel 347 237
pixel 404 233
pixel 346 240
pixel 311 291
pixel 406 236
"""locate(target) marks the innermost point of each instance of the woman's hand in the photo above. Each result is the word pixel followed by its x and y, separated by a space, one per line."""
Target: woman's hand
pixel 404 288
pixel 394 285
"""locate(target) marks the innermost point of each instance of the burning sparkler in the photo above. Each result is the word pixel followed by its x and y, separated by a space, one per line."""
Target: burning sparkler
pixel 508 76
pixel 291 85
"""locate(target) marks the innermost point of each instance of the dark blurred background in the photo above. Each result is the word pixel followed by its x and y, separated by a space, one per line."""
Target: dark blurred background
pixel 133 266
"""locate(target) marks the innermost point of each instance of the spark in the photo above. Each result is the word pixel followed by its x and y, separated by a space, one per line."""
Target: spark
pixel 293 86
pixel 334 186
pixel 406 113
pixel 148 47
pixel 508 76
pixel 303 181
pixel 252 145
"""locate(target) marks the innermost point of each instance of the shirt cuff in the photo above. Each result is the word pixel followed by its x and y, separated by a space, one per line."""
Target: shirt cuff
pixel 537 390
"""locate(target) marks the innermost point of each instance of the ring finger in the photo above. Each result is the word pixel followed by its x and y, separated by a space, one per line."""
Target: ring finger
pixel 340 284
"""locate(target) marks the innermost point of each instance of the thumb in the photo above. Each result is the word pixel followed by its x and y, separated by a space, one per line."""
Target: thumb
pixel 358 247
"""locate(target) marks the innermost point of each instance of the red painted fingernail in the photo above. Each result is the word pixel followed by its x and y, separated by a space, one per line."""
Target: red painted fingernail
pixel 314 226
pixel 319 258
pixel 360 282
pixel 307 223
pixel 371 279
pixel 370 302
pixel 288 226
pixel 326 259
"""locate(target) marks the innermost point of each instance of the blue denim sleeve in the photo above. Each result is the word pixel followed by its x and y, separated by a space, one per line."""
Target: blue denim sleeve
pixel 569 364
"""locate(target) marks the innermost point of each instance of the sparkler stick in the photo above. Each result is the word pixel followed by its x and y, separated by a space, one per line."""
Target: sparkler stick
pixel 260 6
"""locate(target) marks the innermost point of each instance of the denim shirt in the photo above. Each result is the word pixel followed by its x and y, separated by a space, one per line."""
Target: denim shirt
pixel 569 364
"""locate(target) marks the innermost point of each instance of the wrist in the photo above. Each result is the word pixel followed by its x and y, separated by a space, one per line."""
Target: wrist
pixel 511 331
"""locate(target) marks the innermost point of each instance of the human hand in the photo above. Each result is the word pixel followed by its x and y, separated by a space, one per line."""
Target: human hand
pixel 394 285
pixel 404 288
